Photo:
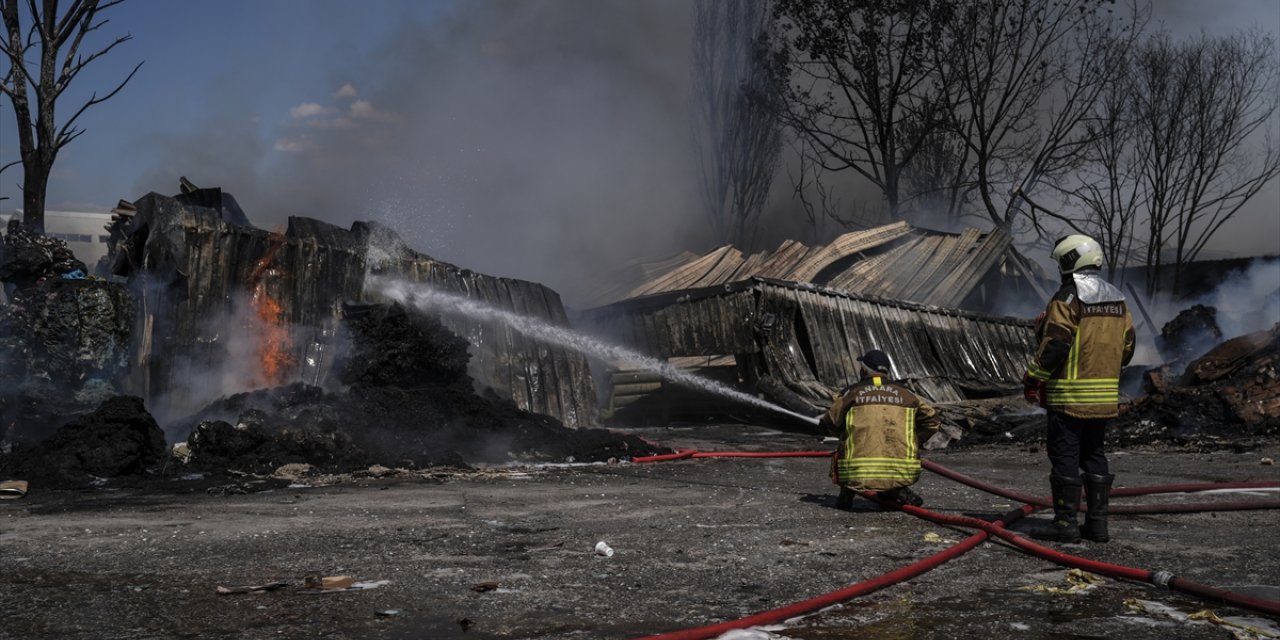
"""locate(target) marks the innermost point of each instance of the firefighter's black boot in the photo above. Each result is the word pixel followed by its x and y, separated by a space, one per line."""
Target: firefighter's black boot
pixel 1097 494
pixel 845 499
pixel 1066 501
pixel 902 495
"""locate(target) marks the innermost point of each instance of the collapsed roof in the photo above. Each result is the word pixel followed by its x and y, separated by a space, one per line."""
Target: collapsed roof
pixel 896 261
pixel 798 342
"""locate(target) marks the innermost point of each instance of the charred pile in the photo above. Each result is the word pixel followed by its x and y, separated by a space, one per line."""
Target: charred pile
pixel 64 336
pixel 1230 393
pixel 1192 332
pixel 117 439
pixel 410 403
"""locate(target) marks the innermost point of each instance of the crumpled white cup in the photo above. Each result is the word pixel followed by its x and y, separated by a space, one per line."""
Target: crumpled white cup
pixel 603 549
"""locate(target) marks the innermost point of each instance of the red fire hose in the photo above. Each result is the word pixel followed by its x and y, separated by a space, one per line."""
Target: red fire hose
pixel 773 616
pixel 1128 491
pixel 1158 578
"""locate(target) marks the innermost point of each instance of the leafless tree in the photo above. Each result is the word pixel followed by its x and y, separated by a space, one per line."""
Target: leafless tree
pixel 737 133
pixel 858 70
pixel 44 53
pixel 1202 112
pixel 1105 185
pixel 1022 78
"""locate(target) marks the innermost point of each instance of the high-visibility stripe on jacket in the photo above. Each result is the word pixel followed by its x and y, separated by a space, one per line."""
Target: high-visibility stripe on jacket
pixel 879 424
pixel 1084 341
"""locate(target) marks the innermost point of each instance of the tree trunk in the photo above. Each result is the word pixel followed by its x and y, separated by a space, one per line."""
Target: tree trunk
pixel 35 182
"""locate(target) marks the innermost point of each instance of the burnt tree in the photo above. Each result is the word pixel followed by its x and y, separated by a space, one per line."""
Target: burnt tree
pixel 1022 79
pixel 736 131
pixel 1201 114
pixel 35 84
pixel 863 85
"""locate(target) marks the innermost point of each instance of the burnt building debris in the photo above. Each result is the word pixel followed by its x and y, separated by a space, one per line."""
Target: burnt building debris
pixel 193 257
pixel 1230 392
pixel 790 323
pixel 797 342
pixel 1189 334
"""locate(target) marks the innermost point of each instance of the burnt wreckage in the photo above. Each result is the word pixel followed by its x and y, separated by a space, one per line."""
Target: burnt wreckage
pixel 791 322
pixel 192 255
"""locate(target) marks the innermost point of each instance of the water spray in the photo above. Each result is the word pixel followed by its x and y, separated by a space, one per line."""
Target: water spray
pixel 425 298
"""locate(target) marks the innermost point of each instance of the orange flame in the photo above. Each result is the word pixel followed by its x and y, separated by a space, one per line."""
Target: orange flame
pixel 275 347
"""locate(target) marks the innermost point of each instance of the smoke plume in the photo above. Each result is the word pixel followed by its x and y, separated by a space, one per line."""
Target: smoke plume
pixel 541 140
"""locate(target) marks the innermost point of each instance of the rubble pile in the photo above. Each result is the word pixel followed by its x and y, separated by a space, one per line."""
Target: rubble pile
pixel 117 439
pixel 408 403
pixel 64 336
pixel 1230 393
pixel 1192 332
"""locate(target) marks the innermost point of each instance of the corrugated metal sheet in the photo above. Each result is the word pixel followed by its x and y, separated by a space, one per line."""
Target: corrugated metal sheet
pixel 202 262
pixel 893 261
pixel 807 337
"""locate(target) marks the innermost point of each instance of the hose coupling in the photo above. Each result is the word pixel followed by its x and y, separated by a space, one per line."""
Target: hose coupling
pixel 1161 579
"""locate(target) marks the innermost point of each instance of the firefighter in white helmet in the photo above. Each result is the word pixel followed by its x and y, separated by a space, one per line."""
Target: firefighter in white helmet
pixel 1085 337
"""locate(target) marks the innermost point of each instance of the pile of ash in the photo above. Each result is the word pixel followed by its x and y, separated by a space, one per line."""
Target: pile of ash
pixel 408 403
pixel 118 439
pixel 1229 395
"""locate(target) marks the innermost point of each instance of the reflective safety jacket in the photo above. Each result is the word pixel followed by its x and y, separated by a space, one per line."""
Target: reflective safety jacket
pixel 880 425
pixel 1085 338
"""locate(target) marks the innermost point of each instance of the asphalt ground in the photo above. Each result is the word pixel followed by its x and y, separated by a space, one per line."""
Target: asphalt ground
pixel 510 552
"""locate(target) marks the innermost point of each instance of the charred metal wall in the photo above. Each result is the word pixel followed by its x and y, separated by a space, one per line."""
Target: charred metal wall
pixel 190 265
pixel 808 337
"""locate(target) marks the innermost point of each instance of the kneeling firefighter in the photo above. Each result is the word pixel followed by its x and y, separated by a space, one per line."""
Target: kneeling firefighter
pixel 1085 337
pixel 880 425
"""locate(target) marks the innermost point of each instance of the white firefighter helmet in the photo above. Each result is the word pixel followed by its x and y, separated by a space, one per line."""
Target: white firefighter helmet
pixel 1076 252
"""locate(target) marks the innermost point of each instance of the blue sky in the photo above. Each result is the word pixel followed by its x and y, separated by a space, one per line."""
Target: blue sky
pixel 542 139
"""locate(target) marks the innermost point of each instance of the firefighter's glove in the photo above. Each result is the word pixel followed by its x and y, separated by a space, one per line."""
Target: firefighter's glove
pixel 1033 390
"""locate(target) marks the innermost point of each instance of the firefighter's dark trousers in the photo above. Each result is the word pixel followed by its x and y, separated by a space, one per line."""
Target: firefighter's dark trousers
pixel 1075 444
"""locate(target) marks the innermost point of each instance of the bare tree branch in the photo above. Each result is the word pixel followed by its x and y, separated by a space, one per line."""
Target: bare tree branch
pixel 59 38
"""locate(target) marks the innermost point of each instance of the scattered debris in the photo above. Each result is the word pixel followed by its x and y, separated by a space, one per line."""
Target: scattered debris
pixel 1240 627
pixel 270 586
pixel 387 613
pixel 1078 581
pixel 13 489
pixel 485 586
pixel 937 539
pixel 328 582
pixel 603 549
pixel 1266 461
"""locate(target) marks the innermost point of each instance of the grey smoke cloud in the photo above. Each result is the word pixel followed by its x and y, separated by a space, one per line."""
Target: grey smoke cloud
pixel 545 140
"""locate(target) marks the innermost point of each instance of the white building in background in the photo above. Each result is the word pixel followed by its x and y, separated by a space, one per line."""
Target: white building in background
pixel 85 233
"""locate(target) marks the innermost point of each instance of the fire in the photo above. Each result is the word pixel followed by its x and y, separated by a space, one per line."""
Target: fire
pixel 275 347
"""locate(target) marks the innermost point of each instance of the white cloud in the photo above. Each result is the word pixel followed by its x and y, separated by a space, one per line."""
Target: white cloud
pixel 293 144
pixel 347 91
pixel 309 110
pixel 364 110
pixel 341 122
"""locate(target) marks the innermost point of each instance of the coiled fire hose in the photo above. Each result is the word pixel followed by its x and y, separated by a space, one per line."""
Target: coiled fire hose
pixel 997 528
